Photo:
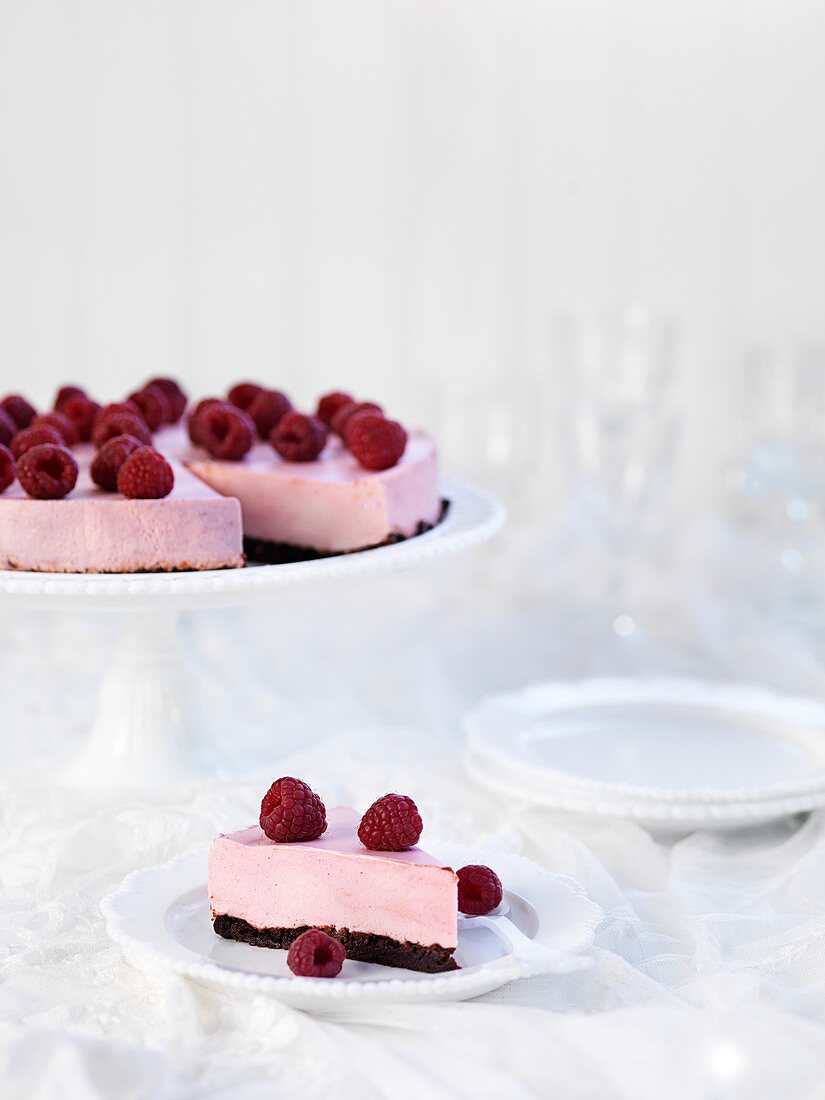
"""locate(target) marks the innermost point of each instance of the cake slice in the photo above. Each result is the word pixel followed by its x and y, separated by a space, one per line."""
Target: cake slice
pixel 395 908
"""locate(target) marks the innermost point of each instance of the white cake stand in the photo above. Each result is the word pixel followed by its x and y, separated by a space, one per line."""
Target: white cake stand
pixel 148 729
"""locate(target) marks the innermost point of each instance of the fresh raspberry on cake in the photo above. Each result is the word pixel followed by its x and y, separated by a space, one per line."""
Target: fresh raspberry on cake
pixel 107 462
pixel 341 417
pixel 243 394
pixel 226 431
pixel 290 810
pixel 8 428
pixel 299 438
pixel 479 890
pixel 174 395
pixel 47 472
pixel 267 409
pixel 118 407
pixel 82 412
pixel 192 421
pixel 330 403
pixel 376 442
pixel 64 395
pixel 61 424
pixel 154 406
pixel 391 824
pixel 145 475
pixel 19 409
pixel 33 437
pixel 8 468
pixel 316 955
pixel 120 423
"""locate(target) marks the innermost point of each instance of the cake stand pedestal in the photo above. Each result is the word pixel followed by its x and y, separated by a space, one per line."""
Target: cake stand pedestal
pixel 150 728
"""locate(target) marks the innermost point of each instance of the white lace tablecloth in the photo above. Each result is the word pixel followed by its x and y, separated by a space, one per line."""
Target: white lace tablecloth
pixel 710 963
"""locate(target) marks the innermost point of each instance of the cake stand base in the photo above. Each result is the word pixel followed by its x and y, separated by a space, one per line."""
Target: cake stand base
pixel 149 729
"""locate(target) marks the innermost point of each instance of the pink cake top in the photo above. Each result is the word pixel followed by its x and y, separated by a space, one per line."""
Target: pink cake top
pixel 341 837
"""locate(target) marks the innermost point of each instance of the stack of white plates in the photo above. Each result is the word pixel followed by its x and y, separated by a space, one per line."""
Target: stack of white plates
pixel 672 754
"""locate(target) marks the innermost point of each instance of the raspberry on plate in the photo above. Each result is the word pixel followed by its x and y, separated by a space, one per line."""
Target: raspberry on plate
pixel 82 412
pixel 344 412
pixel 243 394
pixel 376 442
pixel 479 890
pixel 192 421
pixel 226 431
pixel 48 471
pixel 61 424
pixel 267 409
pixel 290 810
pixel 19 409
pixel 154 406
pixel 8 468
pixel 299 438
pixel 33 437
pixel 8 428
pixel 316 955
pixel 391 824
pixel 119 423
pixel 145 475
pixel 64 395
pixel 107 462
pixel 330 403
pixel 174 395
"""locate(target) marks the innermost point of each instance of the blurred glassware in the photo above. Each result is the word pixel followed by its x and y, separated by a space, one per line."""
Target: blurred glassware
pixel 776 479
pixel 619 430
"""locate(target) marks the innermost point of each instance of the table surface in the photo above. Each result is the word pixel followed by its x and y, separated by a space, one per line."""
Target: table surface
pixel 710 964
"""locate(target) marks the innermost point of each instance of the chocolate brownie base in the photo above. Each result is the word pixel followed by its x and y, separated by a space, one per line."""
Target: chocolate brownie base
pixel 264 552
pixel 363 946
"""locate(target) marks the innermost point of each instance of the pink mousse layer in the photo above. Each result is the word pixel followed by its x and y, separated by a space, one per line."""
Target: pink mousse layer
pixel 333 881
pixel 332 504
pixel 95 532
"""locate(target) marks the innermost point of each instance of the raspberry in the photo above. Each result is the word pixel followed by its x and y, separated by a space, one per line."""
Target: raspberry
pixel 243 394
pixel 316 955
pixel 291 811
pixel 376 442
pixel 19 409
pixel 145 475
pixel 174 395
pixel 154 406
pixel 225 431
pixel 267 409
pixel 479 890
pixel 299 438
pixel 47 472
pixel 192 421
pixel 8 428
pixel 81 411
pixel 339 421
pixel 119 423
pixel 107 462
pixel 64 395
pixel 8 469
pixel 60 423
pixel 34 437
pixel 118 407
pixel 329 404
pixel 391 824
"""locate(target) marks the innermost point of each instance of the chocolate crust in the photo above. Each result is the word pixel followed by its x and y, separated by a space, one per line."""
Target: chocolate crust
pixel 264 552
pixel 363 946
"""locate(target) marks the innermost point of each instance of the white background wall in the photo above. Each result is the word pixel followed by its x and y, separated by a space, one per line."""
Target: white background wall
pixel 394 196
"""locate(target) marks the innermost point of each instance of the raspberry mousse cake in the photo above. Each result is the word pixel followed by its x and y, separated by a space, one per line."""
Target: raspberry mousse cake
pixel 135 486
pixel 360 880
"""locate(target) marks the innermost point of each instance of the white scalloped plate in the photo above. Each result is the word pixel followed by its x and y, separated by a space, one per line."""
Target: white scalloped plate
pixel 662 752
pixel 473 517
pixel 161 918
